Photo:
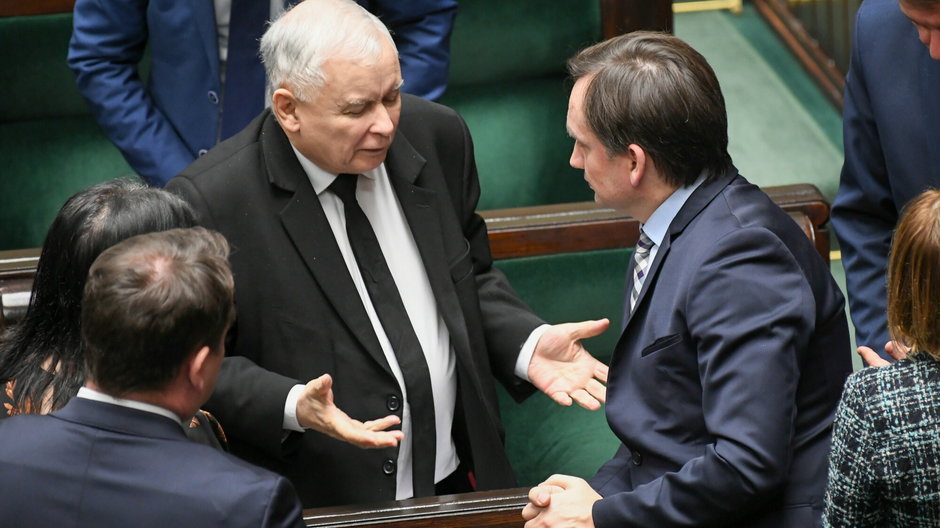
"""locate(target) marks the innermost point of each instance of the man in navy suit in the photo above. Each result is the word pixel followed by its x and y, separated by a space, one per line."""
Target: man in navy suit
pixel 155 312
pixel 161 123
pixel 735 344
pixel 890 126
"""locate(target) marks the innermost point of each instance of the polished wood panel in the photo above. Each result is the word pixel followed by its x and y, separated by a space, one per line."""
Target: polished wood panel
pixel 624 16
pixel 488 509
pixel 10 8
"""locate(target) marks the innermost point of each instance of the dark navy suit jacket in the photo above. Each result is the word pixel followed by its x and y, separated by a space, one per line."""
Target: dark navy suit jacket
pixel 724 383
pixel 891 123
pixel 94 464
pixel 163 124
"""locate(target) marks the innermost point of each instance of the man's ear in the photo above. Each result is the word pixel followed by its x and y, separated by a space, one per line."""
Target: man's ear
pixel 197 368
pixel 638 164
pixel 284 106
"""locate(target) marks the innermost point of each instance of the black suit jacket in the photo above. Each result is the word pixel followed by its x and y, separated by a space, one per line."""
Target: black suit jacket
pixel 299 315
pixel 94 464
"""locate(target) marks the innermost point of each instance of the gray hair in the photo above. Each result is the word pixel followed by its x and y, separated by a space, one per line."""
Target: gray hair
pixel 297 44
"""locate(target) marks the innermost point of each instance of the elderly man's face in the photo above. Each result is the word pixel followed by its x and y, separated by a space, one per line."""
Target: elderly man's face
pixel 927 22
pixel 607 176
pixel 349 125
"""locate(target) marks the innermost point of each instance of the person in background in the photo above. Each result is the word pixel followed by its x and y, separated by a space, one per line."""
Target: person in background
pixel 735 343
pixel 155 311
pixel 360 254
pixel 890 118
pixel 884 469
pixel 205 78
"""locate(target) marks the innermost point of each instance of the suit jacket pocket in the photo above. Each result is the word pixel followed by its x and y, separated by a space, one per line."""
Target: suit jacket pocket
pixel 661 343
pixel 462 266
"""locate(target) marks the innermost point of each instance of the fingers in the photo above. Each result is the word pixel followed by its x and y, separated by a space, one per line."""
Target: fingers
pixel 586 329
pixel 600 371
pixel 585 400
pixel 561 398
pixel 530 512
pixel 558 482
pixel 382 423
pixel 896 350
pixel 597 390
pixel 870 357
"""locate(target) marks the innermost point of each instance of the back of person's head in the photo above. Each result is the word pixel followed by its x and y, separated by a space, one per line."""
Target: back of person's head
pixel 152 300
pixel 914 276
pixel 297 44
pixel 43 351
pixel 655 91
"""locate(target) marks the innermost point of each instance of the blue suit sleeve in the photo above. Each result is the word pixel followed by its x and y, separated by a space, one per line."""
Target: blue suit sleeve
pixel 107 44
pixel 864 213
pixel 421 30
pixel 748 354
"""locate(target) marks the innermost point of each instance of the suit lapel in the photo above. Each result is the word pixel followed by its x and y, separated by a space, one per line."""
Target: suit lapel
pixel 422 210
pixel 690 209
pixel 309 230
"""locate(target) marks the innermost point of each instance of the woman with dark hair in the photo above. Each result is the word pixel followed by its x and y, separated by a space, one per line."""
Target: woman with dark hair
pixel 884 468
pixel 42 364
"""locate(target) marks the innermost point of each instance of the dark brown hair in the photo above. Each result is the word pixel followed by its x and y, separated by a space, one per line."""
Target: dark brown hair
pixel 914 276
pixel 654 90
pixel 152 300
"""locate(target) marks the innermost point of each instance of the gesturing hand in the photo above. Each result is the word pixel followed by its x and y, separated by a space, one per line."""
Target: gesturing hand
pixel 564 370
pixel 316 410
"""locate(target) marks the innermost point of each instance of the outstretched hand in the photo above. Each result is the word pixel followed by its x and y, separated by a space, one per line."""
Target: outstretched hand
pixel 894 349
pixel 316 410
pixel 564 370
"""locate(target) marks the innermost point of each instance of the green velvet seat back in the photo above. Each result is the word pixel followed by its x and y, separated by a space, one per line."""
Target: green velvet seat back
pixel 542 437
pixel 508 80
pixel 50 146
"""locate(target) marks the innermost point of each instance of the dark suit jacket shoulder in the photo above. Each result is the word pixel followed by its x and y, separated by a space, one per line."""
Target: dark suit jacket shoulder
pixel 97 464
pixel 723 384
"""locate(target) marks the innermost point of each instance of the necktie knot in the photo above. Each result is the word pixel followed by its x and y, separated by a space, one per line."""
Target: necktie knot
pixel 344 186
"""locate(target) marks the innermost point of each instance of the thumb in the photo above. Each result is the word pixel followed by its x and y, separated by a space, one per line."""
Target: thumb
pixel 586 329
pixel 322 385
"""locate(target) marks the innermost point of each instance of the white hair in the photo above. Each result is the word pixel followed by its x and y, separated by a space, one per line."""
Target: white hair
pixel 297 44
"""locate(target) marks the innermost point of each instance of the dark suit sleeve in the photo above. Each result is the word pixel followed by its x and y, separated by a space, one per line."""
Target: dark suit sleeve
pixel 506 320
pixel 852 499
pixel 108 42
pixel 750 314
pixel 864 213
pixel 421 29
pixel 248 399
pixel 283 509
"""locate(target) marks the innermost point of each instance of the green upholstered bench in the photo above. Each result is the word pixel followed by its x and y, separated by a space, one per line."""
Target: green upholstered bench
pixel 50 146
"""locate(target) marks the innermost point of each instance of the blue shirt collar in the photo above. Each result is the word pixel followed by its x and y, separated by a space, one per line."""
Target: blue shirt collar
pixel 658 222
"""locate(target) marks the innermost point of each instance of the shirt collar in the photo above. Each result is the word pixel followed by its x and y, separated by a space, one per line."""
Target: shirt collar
pixel 658 222
pixel 90 394
pixel 321 179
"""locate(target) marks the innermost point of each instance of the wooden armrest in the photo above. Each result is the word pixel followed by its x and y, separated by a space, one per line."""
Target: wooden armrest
pixel 486 509
pixel 584 226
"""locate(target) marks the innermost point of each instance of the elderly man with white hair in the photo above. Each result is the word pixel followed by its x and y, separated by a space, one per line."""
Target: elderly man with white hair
pixel 358 254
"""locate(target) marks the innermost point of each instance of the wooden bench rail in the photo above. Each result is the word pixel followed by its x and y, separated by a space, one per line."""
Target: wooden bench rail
pixel 485 509
pixel 516 232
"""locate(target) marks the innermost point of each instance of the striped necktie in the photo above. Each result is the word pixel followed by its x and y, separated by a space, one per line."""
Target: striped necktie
pixel 641 259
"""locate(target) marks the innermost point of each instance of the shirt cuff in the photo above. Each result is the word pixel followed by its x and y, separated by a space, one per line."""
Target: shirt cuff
pixel 528 348
pixel 290 409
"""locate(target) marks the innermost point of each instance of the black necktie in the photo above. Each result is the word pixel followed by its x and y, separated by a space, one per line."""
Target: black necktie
pixel 391 311
pixel 244 74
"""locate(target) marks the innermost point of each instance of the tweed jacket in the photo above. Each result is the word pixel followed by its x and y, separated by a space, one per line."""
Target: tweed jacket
pixel 884 468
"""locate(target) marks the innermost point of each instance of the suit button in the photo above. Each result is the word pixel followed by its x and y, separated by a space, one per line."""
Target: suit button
pixel 393 402
pixel 213 97
pixel 388 467
pixel 637 458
